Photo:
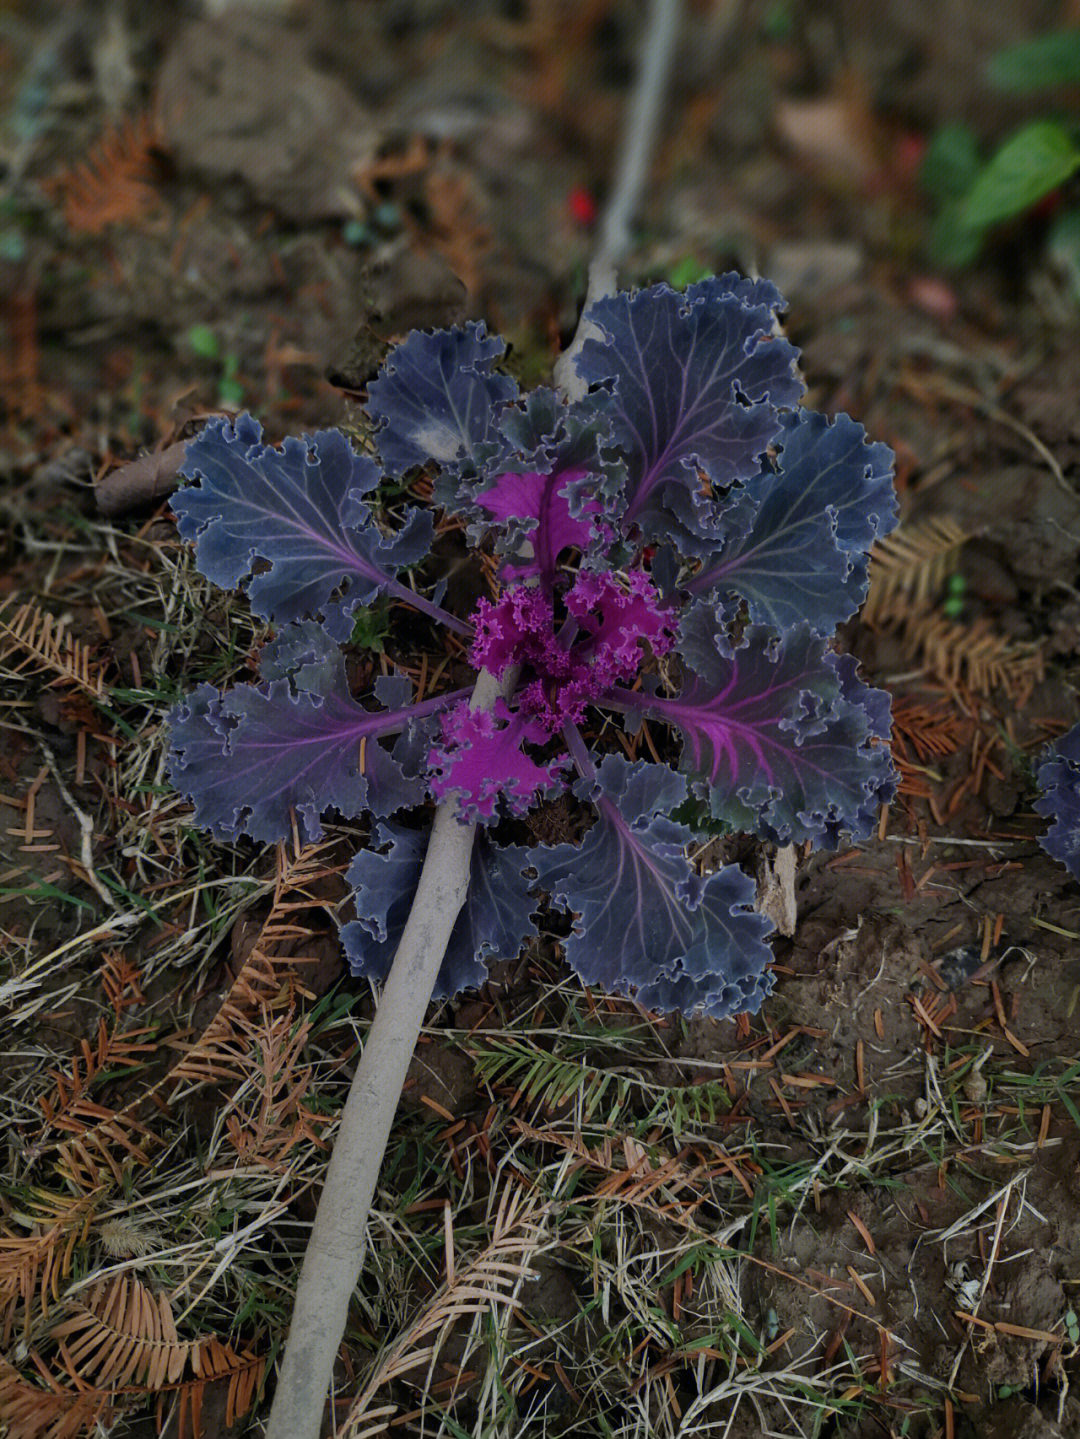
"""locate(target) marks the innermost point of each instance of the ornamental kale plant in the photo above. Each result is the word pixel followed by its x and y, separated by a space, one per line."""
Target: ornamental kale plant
pixel 676 548
pixel 1058 778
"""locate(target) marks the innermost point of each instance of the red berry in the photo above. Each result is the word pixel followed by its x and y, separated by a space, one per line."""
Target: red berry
pixel 582 207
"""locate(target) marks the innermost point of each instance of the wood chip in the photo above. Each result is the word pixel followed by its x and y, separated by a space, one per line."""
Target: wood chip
pixel 726 1161
pixel 1017 1044
pixel 987 939
pixel 779 1093
pixel 919 1009
pixel 779 1341
pixel 781 1043
pixel 1044 1127
pixel 31 797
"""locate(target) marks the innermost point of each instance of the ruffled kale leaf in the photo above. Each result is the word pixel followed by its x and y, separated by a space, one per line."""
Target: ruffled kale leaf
pixel 535 508
pixel 797 537
pixel 308 656
pixel 250 758
pixel 481 759
pixel 548 492
pixel 301 509
pixel 1058 778
pixel 438 399
pixel 690 384
pixel 646 921
pixel 779 734
pixel 494 922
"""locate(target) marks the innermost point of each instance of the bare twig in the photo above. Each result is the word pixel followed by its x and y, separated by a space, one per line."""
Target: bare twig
pixel 335 1252
pixel 633 171
pixel 86 829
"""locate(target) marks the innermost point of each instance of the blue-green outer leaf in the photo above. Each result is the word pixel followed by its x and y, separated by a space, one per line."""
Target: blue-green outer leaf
pixel 437 399
pixel 798 536
pixel 779 734
pixel 691 383
pixel 494 922
pixel 1058 778
pixel 301 509
pixel 645 920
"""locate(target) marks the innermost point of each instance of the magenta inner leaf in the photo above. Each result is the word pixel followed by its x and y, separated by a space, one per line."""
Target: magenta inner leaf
pixel 781 739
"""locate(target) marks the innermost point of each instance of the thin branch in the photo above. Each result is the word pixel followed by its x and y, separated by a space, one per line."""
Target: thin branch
pixel 641 131
pixel 335 1251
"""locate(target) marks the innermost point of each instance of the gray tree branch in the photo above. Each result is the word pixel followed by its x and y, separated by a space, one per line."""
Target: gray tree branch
pixel 335 1252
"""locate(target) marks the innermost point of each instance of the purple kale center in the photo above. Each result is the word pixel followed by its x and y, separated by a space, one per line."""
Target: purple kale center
pixel 568 661
pixel 568 666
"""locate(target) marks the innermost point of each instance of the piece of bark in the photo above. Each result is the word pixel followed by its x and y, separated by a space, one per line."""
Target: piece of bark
pixel 141 482
pixel 776 889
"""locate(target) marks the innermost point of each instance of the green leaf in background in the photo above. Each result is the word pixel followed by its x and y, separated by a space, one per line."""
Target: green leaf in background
pixel 953 242
pixel 202 341
pixel 230 390
pixel 371 625
pixel 1034 162
pixel 951 163
pixel 686 271
pixel 1038 64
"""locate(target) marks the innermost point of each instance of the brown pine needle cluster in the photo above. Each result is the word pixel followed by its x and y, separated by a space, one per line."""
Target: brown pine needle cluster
pixel 47 644
pixel 268 1117
pixel 114 184
pixel 120 1339
pixel 34 1264
pixel 487 1284
pixel 921 735
pixel 268 972
pixel 975 654
pixel 79 1353
pixel 70 1107
pixel 908 570
pixel 909 567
